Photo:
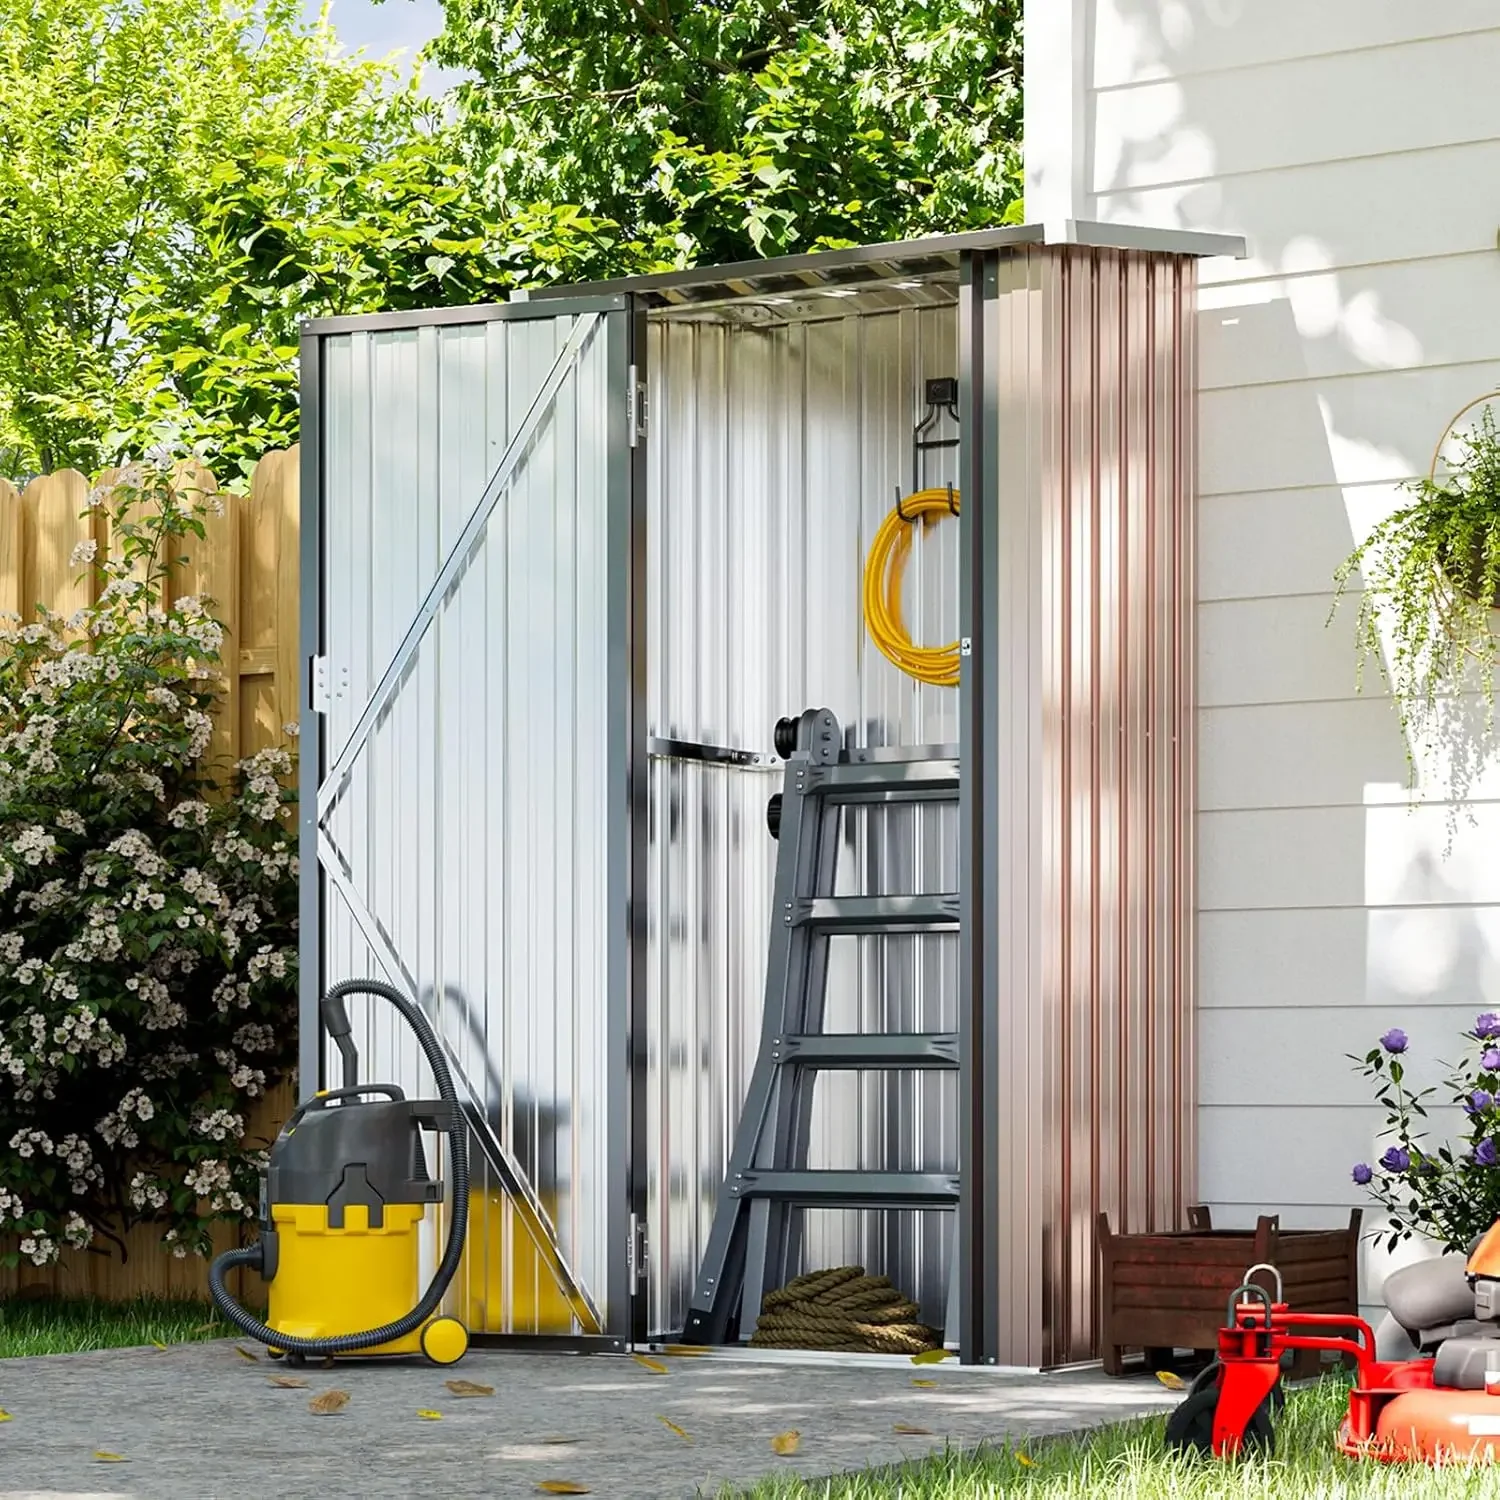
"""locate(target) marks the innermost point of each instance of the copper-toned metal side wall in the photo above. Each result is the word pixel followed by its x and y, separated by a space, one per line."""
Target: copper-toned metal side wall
pixel 1092 353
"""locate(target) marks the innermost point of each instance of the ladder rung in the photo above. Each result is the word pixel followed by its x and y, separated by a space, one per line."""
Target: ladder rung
pixel 855 914
pixel 912 1049
pixel 850 1189
pixel 934 780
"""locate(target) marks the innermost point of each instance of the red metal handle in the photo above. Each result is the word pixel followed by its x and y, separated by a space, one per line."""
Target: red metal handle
pixel 1362 1355
pixel 1329 1320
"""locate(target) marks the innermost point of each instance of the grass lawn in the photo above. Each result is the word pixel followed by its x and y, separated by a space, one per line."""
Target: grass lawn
pixel 70 1326
pixel 1129 1462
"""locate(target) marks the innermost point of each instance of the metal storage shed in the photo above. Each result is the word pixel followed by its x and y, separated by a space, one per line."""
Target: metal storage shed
pixel 568 559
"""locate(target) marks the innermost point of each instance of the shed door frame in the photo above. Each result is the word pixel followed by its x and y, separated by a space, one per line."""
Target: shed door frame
pixel 983 786
pixel 323 770
pixel 985 798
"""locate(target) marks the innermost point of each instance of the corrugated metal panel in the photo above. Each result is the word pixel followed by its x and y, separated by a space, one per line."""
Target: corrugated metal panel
pixel 775 454
pixel 475 826
pixel 475 822
pixel 1094 361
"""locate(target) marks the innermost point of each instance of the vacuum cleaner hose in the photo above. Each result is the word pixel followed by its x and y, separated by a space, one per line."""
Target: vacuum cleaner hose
pixel 458 1177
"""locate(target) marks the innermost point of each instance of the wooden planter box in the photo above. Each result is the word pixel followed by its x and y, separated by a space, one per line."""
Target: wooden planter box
pixel 1160 1292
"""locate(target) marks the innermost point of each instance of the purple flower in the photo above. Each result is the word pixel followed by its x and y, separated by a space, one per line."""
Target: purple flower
pixel 1485 1154
pixel 1395 1159
pixel 1490 1061
pixel 1394 1040
pixel 1361 1173
pixel 1487 1025
pixel 1479 1100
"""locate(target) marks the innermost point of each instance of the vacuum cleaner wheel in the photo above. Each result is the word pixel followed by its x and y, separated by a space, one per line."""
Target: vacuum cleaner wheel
pixel 445 1341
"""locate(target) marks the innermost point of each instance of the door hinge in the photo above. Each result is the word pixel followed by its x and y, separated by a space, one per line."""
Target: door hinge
pixel 635 406
pixel 636 1250
pixel 327 683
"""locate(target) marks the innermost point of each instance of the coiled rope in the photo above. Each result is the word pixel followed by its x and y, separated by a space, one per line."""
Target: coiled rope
pixel 842 1309
pixel 936 665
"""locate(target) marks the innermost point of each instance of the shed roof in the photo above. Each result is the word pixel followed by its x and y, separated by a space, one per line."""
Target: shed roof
pixel 906 272
pixel 789 275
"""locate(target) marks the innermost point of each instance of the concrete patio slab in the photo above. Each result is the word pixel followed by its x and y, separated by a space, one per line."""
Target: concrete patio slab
pixel 200 1421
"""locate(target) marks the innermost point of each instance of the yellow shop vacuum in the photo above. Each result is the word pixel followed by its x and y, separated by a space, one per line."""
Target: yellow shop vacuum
pixel 341 1207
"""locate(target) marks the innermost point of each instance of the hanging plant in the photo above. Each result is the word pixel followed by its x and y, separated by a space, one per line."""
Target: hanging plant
pixel 1428 614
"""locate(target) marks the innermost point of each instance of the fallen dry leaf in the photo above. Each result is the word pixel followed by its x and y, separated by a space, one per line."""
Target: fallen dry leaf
pixel 786 1443
pixel 157 1344
pixel 469 1388
pixel 245 1353
pixel 931 1356
pixel 288 1382
pixel 5 1416
pixel 562 1487
pixel 685 1351
pixel 654 1365
pixel 926 1384
pixel 673 1427
pixel 558 1442
pixel 205 1328
pixel 911 1431
pixel 328 1402
pixel 1172 1381
pixel 1021 1458
pixel 102 1457
pixel 431 1416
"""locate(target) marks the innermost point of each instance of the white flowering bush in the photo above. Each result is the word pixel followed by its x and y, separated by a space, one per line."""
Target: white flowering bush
pixel 147 907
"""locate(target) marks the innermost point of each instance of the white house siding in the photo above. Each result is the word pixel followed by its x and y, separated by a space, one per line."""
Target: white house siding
pixel 1356 145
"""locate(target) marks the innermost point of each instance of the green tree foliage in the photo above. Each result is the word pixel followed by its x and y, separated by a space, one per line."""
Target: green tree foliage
pixel 719 131
pixel 367 218
pixel 181 181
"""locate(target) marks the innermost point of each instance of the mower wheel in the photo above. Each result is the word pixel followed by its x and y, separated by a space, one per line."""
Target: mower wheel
pixel 1208 1377
pixel 1190 1428
pixel 275 1353
pixel 297 1361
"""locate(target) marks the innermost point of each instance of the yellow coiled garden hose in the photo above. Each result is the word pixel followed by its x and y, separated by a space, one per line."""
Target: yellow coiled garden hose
pixel 935 665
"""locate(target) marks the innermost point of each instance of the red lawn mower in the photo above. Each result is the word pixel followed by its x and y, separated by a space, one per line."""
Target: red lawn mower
pixel 1441 1407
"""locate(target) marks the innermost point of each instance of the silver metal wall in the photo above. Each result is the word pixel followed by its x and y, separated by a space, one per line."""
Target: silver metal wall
pixel 474 826
pixel 774 454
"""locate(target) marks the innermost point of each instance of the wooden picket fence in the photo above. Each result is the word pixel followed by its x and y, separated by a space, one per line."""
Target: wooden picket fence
pixel 247 564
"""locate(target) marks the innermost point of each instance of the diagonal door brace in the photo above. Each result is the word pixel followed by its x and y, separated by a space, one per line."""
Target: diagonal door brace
pixel 512 1177
pixel 457 560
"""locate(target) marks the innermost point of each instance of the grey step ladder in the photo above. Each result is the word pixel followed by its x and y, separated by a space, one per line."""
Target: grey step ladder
pixel 756 1229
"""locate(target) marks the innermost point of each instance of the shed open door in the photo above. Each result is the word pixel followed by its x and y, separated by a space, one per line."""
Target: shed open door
pixel 466 820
